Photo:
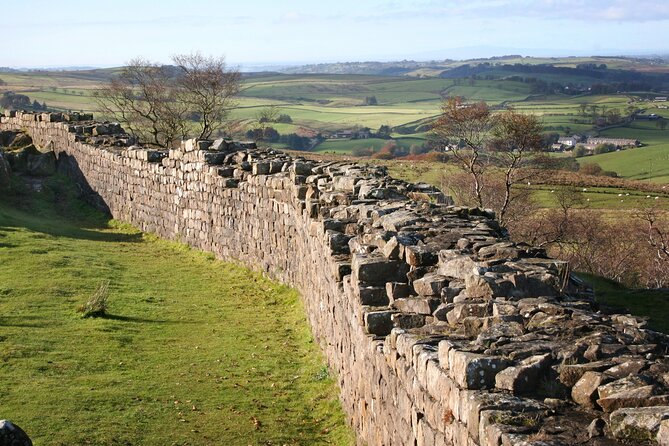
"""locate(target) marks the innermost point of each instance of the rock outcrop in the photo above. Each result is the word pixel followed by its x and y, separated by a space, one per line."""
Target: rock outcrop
pixel 12 435
pixel 441 331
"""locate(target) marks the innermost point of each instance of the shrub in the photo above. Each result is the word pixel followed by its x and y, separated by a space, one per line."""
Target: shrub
pixel 362 151
pixel 96 306
pixel 591 169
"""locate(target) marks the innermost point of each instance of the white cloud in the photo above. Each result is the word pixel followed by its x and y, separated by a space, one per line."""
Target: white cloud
pixel 582 10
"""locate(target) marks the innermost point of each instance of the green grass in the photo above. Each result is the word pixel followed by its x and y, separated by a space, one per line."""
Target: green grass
pixel 649 163
pixel 653 304
pixel 194 351
pixel 604 198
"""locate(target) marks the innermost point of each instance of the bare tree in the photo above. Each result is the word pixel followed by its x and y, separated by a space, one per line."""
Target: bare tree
pixel 478 139
pixel 267 114
pixel 143 98
pixel 514 135
pixel 158 104
pixel 207 87
pixel 656 236
pixel 467 124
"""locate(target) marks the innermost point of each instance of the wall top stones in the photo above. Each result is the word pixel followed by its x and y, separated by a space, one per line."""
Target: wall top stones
pixel 443 331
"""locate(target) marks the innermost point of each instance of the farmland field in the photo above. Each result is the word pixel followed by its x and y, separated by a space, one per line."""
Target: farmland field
pixel 329 103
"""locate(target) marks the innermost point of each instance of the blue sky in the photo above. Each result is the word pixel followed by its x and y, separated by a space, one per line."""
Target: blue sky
pixel 40 33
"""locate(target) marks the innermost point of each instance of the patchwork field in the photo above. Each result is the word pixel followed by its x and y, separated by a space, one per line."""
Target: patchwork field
pixel 322 103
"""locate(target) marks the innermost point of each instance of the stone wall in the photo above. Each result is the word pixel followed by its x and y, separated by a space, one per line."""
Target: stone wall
pixel 441 331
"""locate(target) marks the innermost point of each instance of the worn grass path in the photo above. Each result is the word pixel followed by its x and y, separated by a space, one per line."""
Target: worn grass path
pixel 194 351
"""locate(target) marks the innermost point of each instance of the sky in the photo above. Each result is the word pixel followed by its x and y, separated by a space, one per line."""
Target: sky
pixel 47 33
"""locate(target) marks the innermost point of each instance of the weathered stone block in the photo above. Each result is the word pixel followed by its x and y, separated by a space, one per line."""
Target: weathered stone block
pixel 379 322
pixel 430 284
pixel 377 270
pixel 474 371
pixel 638 424
pixel 397 290
pixel 418 305
pixel 584 391
pixel 454 264
pixel 523 377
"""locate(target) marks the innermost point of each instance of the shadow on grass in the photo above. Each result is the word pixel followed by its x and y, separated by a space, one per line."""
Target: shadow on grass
pixel 21 322
pixel 61 228
pixel 117 317
pixel 652 304
pixel 67 206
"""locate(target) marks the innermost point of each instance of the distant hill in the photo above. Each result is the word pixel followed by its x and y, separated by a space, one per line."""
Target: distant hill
pixel 437 67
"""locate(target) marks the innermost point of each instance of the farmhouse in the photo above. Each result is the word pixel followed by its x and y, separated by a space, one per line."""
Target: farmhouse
pixel 618 142
pixel 350 134
pixel 660 99
pixel 569 141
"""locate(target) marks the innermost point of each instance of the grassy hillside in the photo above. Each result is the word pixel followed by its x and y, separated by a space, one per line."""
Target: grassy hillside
pixel 650 162
pixel 193 350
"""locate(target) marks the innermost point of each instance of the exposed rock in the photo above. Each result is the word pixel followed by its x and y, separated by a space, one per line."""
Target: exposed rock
pixel 19 141
pixel 596 428
pixel 523 377
pixel 584 391
pixel 638 424
pixel 31 161
pixel 13 435
pixel 430 285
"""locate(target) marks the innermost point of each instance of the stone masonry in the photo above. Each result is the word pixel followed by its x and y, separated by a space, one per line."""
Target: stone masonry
pixel 441 331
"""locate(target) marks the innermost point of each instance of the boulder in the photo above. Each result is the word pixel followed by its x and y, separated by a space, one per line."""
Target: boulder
pixel 31 161
pixel 12 435
pixel 584 391
pixel 638 424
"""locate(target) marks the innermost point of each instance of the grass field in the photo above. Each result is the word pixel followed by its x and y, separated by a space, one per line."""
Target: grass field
pixel 649 163
pixel 194 351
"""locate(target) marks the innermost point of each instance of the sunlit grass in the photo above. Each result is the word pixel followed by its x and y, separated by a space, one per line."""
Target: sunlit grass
pixel 192 351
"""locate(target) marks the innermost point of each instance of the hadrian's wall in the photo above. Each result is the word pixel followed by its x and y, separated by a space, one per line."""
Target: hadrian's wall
pixel 440 330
